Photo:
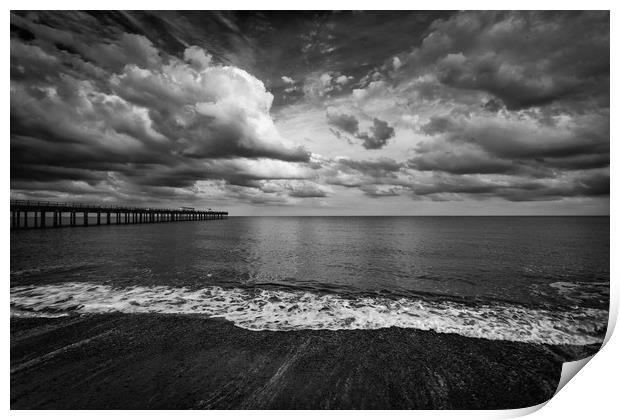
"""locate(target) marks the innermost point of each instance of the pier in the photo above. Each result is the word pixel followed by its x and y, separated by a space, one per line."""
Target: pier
pixel 27 214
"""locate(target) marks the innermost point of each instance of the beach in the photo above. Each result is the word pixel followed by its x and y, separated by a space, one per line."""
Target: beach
pixel 154 361
pixel 294 312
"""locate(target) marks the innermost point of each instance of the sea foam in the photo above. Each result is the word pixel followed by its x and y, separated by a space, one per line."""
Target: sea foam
pixel 278 310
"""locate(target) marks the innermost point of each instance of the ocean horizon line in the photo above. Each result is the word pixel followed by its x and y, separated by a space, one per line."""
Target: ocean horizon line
pixel 419 215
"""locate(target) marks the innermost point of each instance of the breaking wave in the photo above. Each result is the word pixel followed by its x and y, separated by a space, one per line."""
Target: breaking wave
pixel 279 310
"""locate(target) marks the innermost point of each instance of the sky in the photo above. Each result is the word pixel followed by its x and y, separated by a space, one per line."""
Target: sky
pixel 314 113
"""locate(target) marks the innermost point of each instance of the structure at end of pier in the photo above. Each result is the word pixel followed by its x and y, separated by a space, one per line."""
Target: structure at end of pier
pixel 43 214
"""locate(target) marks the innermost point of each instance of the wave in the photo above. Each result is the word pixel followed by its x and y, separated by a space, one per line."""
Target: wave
pixel 47 269
pixel 278 310
pixel 582 291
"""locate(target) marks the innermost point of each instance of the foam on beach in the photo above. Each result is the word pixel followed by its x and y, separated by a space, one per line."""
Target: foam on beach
pixel 278 310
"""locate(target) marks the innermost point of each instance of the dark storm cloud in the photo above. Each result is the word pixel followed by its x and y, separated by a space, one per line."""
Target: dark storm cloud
pixel 330 41
pixel 376 178
pixel 493 105
pixel 458 159
pixel 375 191
pixel 380 131
pixel 515 189
pixel 346 122
pixel 83 107
pixel 523 58
pixel 306 191
pixel 138 106
pixel 377 168
pixel 462 144
pixel 550 161
pixel 388 178
pixel 262 43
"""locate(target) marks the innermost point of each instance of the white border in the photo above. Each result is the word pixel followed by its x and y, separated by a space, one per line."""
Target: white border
pixel 312 5
pixel 592 393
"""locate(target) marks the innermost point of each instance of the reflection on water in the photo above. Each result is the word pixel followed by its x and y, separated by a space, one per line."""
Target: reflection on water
pixel 516 259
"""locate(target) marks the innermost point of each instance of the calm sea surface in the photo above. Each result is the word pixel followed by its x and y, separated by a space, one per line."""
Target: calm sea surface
pixel 495 277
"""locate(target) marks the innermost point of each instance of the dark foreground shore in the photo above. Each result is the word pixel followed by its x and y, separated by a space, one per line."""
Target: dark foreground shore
pixel 177 362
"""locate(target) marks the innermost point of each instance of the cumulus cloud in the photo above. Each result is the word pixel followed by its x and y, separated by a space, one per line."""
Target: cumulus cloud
pixel 458 159
pixel 361 174
pixel 306 190
pixel 531 159
pixel 197 57
pixel 381 167
pixel 520 137
pixel 396 63
pixel 157 120
pixel 220 111
pixel 340 119
pixel 126 107
pixel 488 51
pixel 376 191
pixel 320 86
pixel 445 186
pixel 343 79
pixel 380 131
pixel 373 89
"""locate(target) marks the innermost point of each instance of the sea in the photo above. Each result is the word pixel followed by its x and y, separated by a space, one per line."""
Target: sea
pixel 538 280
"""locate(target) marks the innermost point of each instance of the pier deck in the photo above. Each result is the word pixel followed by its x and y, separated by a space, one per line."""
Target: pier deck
pixel 46 214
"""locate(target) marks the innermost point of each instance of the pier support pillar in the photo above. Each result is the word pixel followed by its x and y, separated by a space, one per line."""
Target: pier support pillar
pixel 42 218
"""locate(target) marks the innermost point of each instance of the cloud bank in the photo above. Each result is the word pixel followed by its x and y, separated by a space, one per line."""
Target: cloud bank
pixel 313 110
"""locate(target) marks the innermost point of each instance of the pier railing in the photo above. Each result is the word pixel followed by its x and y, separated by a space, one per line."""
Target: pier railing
pixel 41 214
